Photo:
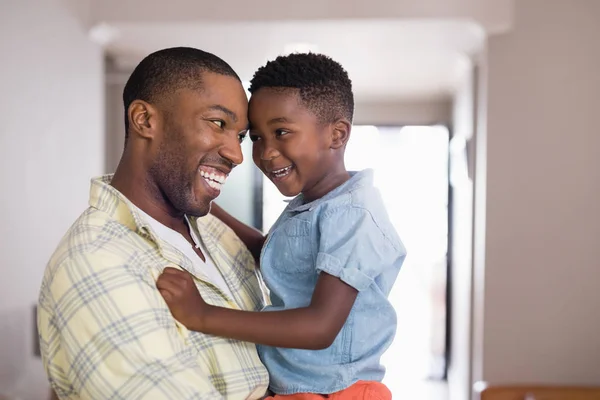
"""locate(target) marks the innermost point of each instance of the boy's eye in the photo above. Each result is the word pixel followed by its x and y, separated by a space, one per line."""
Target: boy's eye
pixel 254 138
pixel 281 132
pixel 219 123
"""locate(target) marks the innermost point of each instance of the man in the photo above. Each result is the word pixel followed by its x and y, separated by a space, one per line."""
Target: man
pixel 105 330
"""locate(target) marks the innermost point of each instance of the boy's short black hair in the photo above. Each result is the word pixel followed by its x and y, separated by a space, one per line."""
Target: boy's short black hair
pixel 323 83
pixel 168 70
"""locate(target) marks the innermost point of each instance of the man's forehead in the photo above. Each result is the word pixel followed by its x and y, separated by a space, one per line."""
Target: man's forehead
pixel 213 98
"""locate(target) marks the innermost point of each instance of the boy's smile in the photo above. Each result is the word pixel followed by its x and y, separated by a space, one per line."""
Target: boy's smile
pixel 280 174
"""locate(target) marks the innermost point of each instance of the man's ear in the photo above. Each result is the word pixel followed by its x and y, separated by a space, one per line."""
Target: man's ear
pixel 143 118
pixel 340 133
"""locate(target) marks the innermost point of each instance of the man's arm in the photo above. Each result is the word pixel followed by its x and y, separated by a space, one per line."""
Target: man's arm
pixel 251 237
pixel 118 340
pixel 314 327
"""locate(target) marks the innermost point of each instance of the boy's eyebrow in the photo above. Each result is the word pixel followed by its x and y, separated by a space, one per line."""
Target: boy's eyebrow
pixel 278 120
pixel 226 110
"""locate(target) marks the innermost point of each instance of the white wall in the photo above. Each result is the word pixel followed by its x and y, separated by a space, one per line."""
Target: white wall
pixel 115 124
pixel 51 143
pixel 542 274
pixel 463 127
pixel 493 15
pixel 408 112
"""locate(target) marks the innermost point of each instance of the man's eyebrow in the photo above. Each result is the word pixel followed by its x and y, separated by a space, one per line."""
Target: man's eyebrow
pixel 225 110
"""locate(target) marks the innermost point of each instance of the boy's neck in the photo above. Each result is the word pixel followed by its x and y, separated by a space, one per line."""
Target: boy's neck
pixel 331 180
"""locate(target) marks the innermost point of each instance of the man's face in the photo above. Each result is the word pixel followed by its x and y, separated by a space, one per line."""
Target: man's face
pixel 291 147
pixel 200 135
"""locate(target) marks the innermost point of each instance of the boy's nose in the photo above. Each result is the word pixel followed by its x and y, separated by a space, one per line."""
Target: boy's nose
pixel 269 153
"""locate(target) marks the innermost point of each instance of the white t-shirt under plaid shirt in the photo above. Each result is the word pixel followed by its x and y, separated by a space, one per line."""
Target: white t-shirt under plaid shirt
pixel 106 332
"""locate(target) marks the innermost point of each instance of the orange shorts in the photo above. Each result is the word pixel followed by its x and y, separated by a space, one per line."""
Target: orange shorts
pixel 361 390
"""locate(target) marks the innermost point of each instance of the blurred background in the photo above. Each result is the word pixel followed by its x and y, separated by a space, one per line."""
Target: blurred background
pixel 480 119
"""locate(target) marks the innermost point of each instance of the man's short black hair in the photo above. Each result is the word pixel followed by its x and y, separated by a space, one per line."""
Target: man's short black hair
pixel 166 71
pixel 323 83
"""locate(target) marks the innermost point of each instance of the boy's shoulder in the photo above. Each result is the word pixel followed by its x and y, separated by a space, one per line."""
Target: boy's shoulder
pixel 361 201
pixel 360 193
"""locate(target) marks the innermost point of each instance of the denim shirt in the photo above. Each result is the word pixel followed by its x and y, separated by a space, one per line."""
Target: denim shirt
pixel 347 234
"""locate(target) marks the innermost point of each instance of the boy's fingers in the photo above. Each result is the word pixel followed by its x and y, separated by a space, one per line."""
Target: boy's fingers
pixel 165 282
pixel 177 273
pixel 166 294
pixel 172 271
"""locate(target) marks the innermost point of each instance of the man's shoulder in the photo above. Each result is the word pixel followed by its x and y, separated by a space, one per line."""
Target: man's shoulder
pixel 95 240
pixel 92 231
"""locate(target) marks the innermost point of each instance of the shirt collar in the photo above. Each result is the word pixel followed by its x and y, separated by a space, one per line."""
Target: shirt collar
pixel 106 198
pixel 357 179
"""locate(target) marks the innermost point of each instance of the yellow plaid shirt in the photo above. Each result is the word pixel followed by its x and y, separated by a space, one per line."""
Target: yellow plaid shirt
pixel 106 332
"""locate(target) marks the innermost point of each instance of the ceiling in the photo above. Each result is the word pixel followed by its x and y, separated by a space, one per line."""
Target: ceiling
pixel 386 59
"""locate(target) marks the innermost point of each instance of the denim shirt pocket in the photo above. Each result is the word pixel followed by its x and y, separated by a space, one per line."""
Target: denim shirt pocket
pixel 293 251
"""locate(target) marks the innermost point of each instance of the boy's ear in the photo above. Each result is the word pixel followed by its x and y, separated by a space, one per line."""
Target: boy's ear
pixel 340 133
pixel 143 119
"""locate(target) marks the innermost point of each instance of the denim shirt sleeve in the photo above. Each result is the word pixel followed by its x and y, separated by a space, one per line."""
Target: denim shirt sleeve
pixel 352 247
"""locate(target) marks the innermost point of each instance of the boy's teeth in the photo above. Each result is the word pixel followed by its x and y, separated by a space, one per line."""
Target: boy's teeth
pixel 279 171
pixel 282 172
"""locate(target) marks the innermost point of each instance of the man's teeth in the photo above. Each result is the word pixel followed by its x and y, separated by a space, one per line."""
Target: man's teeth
pixel 220 178
pixel 213 184
pixel 214 180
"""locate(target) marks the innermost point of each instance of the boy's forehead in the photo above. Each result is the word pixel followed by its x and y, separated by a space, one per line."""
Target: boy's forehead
pixel 276 103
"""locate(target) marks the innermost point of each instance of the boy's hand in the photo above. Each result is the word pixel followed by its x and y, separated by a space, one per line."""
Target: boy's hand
pixel 181 295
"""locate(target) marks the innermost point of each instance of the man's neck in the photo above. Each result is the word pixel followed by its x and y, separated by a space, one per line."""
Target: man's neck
pixel 136 186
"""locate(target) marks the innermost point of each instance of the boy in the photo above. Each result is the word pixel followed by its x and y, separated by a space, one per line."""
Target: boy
pixel 329 261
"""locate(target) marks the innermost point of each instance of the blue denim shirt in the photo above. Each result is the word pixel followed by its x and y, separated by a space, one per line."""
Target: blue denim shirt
pixel 347 234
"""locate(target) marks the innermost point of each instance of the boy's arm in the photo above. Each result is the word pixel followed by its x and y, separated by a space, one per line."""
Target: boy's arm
pixel 313 327
pixel 347 264
pixel 251 237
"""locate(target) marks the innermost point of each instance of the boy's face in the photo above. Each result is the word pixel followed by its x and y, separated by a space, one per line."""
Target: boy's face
pixel 291 147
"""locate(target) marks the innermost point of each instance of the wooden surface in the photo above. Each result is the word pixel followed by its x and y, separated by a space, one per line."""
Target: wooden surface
pixel 539 393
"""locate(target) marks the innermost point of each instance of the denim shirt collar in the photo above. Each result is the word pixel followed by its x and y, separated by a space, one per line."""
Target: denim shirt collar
pixel 357 179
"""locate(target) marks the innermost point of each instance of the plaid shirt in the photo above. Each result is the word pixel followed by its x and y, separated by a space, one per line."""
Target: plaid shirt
pixel 106 332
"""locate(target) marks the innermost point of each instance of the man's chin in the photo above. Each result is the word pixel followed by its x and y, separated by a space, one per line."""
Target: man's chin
pixel 198 210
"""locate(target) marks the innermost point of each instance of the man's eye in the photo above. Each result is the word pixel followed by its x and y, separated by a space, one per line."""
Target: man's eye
pixel 219 123
pixel 241 137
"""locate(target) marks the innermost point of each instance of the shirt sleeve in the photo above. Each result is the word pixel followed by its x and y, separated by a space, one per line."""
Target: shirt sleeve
pixel 353 247
pixel 119 339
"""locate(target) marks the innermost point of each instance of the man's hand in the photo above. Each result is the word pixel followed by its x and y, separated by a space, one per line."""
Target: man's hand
pixel 181 295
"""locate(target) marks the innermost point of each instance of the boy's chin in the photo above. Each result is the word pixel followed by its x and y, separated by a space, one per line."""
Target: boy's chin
pixel 288 191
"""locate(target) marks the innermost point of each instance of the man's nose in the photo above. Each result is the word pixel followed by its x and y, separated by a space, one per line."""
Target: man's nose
pixel 232 150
